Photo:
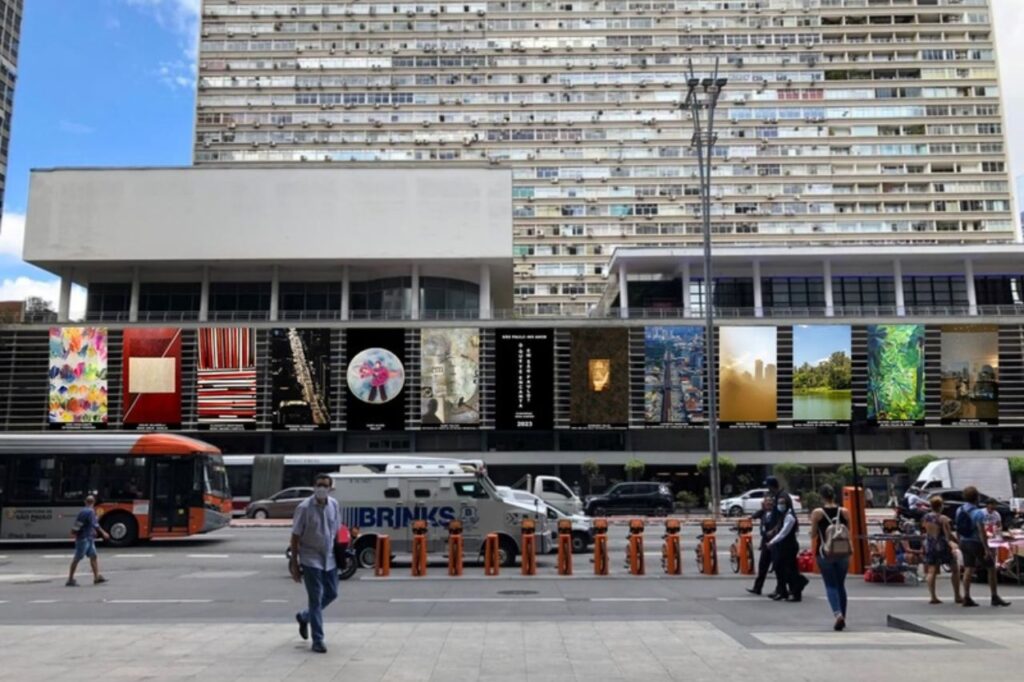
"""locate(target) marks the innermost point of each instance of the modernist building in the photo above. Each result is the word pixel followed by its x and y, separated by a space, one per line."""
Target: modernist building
pixel 845 122
pixel 10 36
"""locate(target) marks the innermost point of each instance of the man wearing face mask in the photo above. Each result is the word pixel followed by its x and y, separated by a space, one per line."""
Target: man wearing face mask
pixel 315 526
pixel 785 548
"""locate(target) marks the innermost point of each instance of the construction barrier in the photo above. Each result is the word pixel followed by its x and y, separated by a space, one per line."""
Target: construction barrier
pixel 636 547
pixel 672 553
pixel 707 551
pixel 744 563
pixel 529 547
pixel 492 559
pixel 600 546
pixel 853 501
pixel 382 557
pixel 564 547
pixel 455 547
pixel 419 548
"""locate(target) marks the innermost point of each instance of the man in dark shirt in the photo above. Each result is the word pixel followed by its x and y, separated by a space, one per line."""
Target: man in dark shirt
pixel 84 532
pixel 764 563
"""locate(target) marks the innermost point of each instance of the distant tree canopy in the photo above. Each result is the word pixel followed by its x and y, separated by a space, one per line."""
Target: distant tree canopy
pixel 835 374
pixel 35 304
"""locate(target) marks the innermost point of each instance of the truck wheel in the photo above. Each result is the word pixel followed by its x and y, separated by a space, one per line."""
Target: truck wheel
pixel 579 542
pixel 507 552
pixel 122 527
pixel 366 552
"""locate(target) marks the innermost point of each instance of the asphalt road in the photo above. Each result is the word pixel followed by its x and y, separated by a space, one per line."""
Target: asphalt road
pixel 240 575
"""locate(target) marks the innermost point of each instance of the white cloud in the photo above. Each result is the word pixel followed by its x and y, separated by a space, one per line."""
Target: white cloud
pixel 20 288
pixel 75 128
pixel 12 234
pixel 182 18
pixel 177 74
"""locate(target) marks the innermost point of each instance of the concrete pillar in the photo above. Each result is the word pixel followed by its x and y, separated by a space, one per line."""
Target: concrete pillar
pixel 897 276
pixel 972 294
pixel 64 303
pixel 623 292
pixel 686 289
pixel 826 274
pixel 275 292
pixel 204 295
pixel 346 292
pixel 485 292
pixel 133 299
pixel 758 297
pixel 415 293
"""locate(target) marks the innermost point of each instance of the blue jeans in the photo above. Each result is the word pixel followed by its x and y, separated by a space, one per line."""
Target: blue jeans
pixel 322 589
pixel 85 547
pixel 833 574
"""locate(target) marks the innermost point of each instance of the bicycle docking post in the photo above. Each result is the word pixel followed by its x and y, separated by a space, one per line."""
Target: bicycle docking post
pixel 491 557
pixel 382 557
pixel 419 548
pixel 564 547
pixel 673 550
pixel 890 527
pixel 636 547
pixel 529 547
pixel 745 540
pixel 709 547
pixel 455 547
pixel 600 546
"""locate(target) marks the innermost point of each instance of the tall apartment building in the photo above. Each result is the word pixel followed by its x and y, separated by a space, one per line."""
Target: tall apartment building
pixel 10 36
pixel 844 121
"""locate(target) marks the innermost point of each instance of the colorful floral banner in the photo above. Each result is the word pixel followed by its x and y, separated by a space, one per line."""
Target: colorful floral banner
pixel 78 377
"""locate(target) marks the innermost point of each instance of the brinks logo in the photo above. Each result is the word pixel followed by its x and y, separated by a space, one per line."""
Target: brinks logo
pixel 397 517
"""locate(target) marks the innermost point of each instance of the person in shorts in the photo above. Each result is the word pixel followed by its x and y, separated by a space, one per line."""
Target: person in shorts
pixel 86 526
pixel 978 556
pixel 939 544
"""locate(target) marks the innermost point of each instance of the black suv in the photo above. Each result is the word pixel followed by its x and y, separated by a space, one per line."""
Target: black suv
pixel 632 498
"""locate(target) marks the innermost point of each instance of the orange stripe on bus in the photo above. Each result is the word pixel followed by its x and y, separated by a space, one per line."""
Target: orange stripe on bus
pixel 170 444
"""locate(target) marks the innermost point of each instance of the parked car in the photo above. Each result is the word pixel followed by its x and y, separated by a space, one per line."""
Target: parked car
pixel 632 498
pixel 750 501
pixel 953 498
pixel 280 505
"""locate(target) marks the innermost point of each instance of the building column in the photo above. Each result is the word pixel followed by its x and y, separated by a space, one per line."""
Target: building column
pixel 485 292
pixel 204 295
pixel 275 292
pixel 623 292
pixel 414 309
pixel 758 297
pixel 972 293
pixel 897 276
pixel 686 289
pixel 346 292
pixel 64 302
pixel 133 299
pixel 826 274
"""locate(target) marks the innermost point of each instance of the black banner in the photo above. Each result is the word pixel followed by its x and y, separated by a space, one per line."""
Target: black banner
pixel 376 379
pixel 300 374
pixel 525 384
pixel 599 394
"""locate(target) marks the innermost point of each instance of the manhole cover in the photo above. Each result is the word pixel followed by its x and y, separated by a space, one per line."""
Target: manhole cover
pixel 517 593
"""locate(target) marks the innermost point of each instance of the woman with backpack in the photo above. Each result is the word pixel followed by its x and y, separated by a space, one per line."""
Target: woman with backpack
pixel 830 526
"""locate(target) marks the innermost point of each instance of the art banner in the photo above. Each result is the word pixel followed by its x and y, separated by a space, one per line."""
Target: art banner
pixel 896 374
pixel 300 375
pixel 449 372
pixel 970 374
pixel 152 378
pixel 747 375
pixel 524 378
pixel 599 391
pixel 226 378
pixel 822 374
pixel 674 376
pixel 78 378
pixel 376 380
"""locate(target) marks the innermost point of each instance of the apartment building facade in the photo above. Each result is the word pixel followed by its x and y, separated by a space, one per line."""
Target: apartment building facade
pixel 844 121
pixel 10 39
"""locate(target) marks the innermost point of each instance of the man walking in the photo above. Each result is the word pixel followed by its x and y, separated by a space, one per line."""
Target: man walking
pixel 764 560
pixel 978 556
pixel 87 524
pixel 315 526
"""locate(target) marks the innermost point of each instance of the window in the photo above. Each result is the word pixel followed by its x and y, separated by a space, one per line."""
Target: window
pixel 392 493
pixel 421 492
pixel 123 478
pixel 33 479
pixel 470 489
pixel 75 480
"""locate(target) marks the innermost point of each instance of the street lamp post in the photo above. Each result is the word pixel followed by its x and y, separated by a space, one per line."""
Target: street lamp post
pixel 702 95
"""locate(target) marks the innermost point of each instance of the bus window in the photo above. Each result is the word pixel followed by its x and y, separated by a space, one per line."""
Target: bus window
pixel 76 480
pixel 215 477
pixel 32 479
pixel 240 480
pixel 124 478
pixel 3 480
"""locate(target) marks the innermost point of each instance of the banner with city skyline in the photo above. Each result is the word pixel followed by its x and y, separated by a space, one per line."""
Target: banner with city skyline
pixel 300 378
pixel 674 376
pixel 895 392
pixel 748 375
pixel 970 374
pixel 822 374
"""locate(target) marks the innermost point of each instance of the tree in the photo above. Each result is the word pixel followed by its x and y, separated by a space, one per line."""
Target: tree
pixel 916 463
pixel 845 473
pixel 791 473
pixel 634 468
pixel 686 500
pixel 726 467
pixel 590 471
pixel 37 305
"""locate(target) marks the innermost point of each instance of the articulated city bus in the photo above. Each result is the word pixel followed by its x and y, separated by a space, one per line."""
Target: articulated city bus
pixel 152 485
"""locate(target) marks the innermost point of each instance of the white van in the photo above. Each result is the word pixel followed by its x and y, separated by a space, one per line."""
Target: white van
pixel 582 531
pixel 387 502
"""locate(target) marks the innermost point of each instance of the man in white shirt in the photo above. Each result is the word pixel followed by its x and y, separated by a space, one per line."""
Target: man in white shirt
pixel 315 526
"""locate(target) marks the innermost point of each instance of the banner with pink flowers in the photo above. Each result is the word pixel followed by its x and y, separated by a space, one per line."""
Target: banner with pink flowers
pixel 78 377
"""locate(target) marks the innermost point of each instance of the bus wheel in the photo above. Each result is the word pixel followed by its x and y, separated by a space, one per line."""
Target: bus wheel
pixel 122 528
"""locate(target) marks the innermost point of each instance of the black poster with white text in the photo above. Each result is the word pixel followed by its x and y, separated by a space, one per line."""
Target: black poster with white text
pixel 525 379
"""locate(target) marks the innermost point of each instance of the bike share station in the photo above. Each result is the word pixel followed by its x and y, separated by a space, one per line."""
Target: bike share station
pixel 742 551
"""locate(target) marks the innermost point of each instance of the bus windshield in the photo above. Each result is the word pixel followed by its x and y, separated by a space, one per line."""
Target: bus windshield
pixel 215 478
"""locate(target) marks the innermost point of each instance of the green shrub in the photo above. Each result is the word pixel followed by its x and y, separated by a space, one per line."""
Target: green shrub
pixel 916 463
pixel 686 500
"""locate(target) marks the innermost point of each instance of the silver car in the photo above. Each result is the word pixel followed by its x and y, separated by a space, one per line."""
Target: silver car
pixel 280 505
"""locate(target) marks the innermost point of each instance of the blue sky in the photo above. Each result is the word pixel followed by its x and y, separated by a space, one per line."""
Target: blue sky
pixel 100 83
pixel 814 343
